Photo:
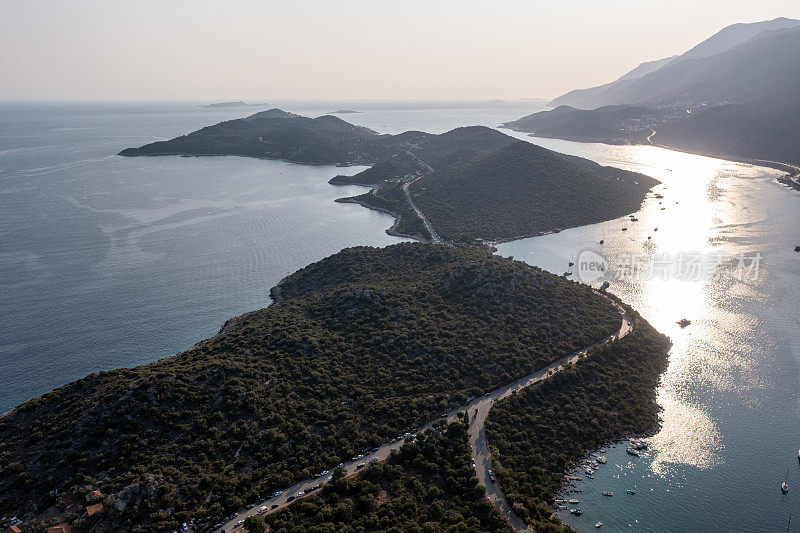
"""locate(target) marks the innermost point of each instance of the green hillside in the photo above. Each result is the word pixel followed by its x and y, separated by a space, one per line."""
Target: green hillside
pixel 361 347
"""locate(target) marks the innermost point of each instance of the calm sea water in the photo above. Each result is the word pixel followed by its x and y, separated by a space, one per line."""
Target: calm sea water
pixel 108 261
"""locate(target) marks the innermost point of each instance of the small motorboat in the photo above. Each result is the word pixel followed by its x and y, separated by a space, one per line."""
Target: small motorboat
pixel 574 501
pixel 624 229
pixel 606 493
pixel 631 451
pixel 599 524
pixel 602 241
pixel 603 287
pixel 629 491
pixel 683 322
pixel 602 460
pixel 568 273
pixel 576 512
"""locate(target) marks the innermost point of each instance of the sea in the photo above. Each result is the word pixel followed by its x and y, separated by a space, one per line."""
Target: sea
pixel 109 262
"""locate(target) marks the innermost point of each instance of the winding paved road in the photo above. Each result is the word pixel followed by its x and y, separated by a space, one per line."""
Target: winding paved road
pixel 434 236
pixel 478 409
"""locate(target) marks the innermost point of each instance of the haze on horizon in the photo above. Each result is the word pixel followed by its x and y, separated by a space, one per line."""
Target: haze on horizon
pixel 347 49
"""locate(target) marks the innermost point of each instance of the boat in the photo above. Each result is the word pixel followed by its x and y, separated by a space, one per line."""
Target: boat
pixel 797 248
pixel 624 229
pixel 631 451
pixel 655 229
pixel 603 450
pixel 784 485
pixel 683 322
pixel 629 491
pixel 573 501
pixel 599 524
pixel 602 460
pixel 603 287
pixel 602 241
pixel 606 493
pixel 576 512
pixel 567 274
pixel 798 455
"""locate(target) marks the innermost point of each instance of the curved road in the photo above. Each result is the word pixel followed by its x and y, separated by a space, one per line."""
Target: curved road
pixel 434 236
pixel 478 409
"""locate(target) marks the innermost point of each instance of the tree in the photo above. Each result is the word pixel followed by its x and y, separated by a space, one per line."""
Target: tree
pixel 339 472
pixel 255 524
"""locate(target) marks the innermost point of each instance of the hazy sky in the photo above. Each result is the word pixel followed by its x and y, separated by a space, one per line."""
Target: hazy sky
pixel 262 50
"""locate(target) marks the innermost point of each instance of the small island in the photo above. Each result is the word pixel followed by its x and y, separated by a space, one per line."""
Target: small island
pixel 343 112
pixel 218 105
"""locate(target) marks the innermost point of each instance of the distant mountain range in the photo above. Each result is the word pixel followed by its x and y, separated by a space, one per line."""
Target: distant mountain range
pixel 473 183
pixel 735 95
pixel 674 78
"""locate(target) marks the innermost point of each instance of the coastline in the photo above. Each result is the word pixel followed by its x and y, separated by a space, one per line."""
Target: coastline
pixel 397 217
pixel 189 154
pixel 791 179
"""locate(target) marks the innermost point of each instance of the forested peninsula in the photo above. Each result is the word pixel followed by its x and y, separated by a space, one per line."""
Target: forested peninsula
pixel 358 348
pixel 472 183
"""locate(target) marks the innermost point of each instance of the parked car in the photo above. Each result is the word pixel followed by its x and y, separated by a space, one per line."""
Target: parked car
pixel 361 465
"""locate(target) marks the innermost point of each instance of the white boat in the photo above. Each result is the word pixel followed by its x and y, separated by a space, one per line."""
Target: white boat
pixel 784 485
pixel 573 501
pixel 599 524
